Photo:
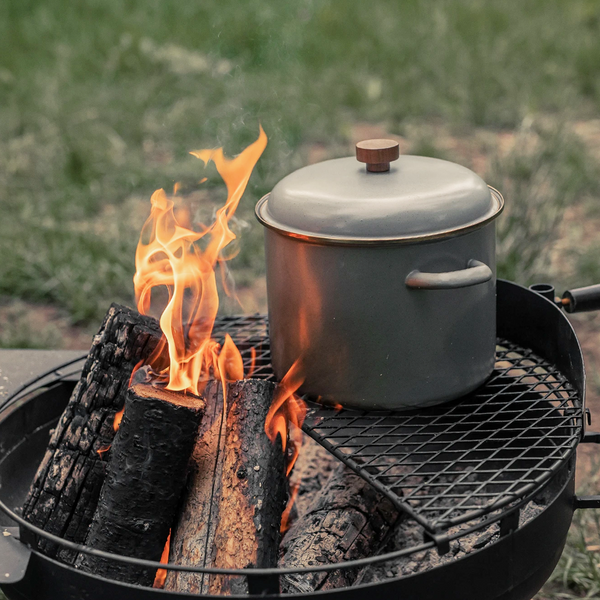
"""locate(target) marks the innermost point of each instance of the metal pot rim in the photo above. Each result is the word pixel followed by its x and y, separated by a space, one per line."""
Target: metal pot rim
pixel 334 240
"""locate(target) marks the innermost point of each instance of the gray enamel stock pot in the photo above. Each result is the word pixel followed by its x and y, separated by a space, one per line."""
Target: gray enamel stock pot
pixel 381 281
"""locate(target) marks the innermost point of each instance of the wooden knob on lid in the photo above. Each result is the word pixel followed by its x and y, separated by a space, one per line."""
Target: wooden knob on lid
pixel 378 154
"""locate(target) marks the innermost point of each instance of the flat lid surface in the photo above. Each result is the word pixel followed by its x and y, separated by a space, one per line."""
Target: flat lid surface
pixel 339 199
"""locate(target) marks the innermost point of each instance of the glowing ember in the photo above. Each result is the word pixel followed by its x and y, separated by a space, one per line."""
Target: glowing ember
pixel 169 255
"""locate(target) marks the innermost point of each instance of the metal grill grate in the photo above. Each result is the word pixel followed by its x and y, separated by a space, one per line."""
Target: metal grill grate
pixel 251 336
pixel 452 463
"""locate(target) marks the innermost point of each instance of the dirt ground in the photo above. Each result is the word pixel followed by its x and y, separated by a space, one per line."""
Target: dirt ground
pixel 587 327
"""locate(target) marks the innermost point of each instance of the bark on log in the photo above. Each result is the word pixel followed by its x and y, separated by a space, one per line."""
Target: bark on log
pixel 146 476
pixel 347 520
pixel 64 494
pixel 194 533
pixel 245 501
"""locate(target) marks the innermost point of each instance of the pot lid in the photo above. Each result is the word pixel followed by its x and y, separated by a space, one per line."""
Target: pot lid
pixel 411 199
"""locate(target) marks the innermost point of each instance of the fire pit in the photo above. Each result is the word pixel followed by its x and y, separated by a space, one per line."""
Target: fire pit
pixel 466 468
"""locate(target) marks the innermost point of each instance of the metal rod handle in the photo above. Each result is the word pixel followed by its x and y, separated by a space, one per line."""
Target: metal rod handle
pixel 586 502
pixel 476 273
pixel 582 299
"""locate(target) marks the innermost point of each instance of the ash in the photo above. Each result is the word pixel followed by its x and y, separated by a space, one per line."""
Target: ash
pixel 409 534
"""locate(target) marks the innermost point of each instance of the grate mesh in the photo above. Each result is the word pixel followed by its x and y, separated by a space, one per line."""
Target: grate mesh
pixel 449 464
pixel 251 336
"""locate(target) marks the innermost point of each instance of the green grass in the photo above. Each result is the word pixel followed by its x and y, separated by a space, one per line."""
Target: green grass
pixel 547 171
pixel 101 102
pixel 578 571
pixel 577 574
pixel 99 106
pixel 20 332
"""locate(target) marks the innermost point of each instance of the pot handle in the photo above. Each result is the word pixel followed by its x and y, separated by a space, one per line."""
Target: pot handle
pixel 475 273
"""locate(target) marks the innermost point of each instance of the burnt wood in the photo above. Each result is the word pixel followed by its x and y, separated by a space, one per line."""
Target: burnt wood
pixel 347 520
pixel 311 471
pixel 246 499
pixel 146 476
pixel 64 493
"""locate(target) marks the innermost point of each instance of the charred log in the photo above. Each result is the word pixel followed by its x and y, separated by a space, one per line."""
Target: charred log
pixel 64 494
pixel 146 476
pixel 246 500
pixel 347 520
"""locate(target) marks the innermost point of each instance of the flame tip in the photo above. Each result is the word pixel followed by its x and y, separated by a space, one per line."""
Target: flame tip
pixel 172 259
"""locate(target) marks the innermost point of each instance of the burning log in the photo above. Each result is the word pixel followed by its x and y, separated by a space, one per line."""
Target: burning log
pixel 246 499
pixel 253 487
pixel 65 490
pixel 347 520
pixel 194 533
pixel 146 476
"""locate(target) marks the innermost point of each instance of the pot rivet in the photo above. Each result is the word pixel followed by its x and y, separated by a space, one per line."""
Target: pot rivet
pixel 378 154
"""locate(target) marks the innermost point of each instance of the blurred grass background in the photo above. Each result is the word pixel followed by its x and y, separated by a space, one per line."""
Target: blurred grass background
pixel 100 103
pixel 99 106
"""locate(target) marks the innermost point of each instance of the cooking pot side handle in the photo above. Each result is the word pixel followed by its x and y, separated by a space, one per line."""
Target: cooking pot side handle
pixel 475 273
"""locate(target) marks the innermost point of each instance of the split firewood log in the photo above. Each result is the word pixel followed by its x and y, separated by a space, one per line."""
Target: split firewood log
pixel 347 520
pixel 246 499
pixel 193 536
pixel 146 475
pixel 64 493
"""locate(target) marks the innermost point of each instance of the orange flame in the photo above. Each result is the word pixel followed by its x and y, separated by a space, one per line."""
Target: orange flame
pixel 287 412
pixel 230 365
pixel 161 574
pixel 116 423
pixel 169 255
pixel 102 451
pixel 286 516
pixel 118 419
pixel 252 362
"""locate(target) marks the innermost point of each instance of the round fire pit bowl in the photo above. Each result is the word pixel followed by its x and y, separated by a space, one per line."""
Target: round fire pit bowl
pixel 530 445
